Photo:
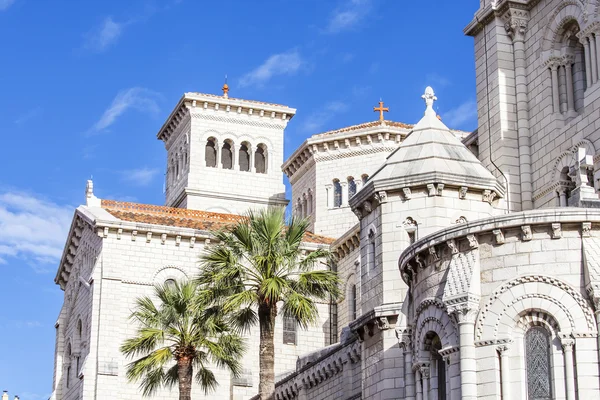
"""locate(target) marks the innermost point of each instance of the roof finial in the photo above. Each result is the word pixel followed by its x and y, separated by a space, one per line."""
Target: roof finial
pixel 225 88
pixel 429 97
pixel 381 109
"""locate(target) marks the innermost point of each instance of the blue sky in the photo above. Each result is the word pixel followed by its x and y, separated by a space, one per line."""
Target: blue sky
pixel 85 86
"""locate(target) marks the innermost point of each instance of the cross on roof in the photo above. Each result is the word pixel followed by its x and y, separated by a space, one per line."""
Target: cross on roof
pixel 381 109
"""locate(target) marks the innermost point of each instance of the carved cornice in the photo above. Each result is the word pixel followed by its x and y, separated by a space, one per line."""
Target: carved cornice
pixel 497 9
pixel 515 23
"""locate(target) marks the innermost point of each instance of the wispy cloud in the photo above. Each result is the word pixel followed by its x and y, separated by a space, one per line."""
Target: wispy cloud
pixel 20 324
pixel 139 176
pixel 32 228
pixel 29 115
pixel 437 80
pixel 464 113
pixel 5 4
pixel 315 121
pixel 140 99
pixel 288 63
pixel 103 36
pixel 348 16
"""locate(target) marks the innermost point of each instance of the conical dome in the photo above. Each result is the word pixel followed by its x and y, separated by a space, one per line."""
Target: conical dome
pixel 431 153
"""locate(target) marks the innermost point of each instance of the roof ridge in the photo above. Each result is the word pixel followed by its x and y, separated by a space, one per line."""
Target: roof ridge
pixel 368 124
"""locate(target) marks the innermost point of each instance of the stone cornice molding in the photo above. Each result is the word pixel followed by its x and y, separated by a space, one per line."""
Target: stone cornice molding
pixel 79 223
pixel 523 221
pixel 250 109
pixel 347 243
pixel 383 317
pixel 496 9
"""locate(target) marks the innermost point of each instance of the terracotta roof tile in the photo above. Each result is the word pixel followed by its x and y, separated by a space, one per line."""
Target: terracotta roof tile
pixel 184 218
pixel 367 125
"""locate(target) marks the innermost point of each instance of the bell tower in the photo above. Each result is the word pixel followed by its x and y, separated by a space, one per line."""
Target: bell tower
pixel 224 154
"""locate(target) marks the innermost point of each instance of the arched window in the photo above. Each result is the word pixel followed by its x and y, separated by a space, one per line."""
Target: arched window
pixel 210 154
pixel 304 206
pixel 351 187
pixel 371 251
pixel 364 178
pixel 79 329
pixel 337 193
pixel 537 359
pixel 69 354
pixel 169 283
pixel 299 208
pixel 310 202
pixel 226 156
pixel 260 159
pixel 290 328
pixel 352 302
pixel 176 166
pixel 244 157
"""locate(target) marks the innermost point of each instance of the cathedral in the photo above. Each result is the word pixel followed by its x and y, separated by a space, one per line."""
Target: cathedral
pixel 470 262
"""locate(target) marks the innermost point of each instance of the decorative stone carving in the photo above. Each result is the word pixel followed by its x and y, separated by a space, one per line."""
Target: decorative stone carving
pixel 515 23
pixel 105 234
pixel 148 237
pixel 499 236
pixel 119 233
pixel 432 190
pixel 358 213
pixel 526 233
pixel 462 192
pixel 463 313
pixel 453 246
pixel 586 228
pixel 473 243
pixel 488 196
pixel 461 220
pixel 367 206
pixel 434 255
pixel 407 193
pixel 133 235
pixel 192 241
pixel 163 238
pixel 381 196
pixel 419 262
pixel 383 323
pixel 440 187
pixel 556 230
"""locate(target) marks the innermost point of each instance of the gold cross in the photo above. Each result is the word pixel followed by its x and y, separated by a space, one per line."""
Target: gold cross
pixel 381 109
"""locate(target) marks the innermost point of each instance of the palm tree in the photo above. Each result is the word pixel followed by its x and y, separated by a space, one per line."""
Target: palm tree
pixel 257 264
pixel 177 336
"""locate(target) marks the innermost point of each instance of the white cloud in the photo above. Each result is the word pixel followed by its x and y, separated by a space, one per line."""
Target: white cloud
pixel 32 228
pixel 315 122
pixel 348 16
pixel 437 80
pixel 102 37
pixel 29 115
pixel 466 112
pixel 140 176
pixel 140 99
pixel 4 4
pixel 288 63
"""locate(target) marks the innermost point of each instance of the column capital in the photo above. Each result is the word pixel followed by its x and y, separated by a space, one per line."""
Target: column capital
pixel 424 369
pixel 554 62
pixel 503 348
pixel 515 23
pixel 567 343
pixel 464 313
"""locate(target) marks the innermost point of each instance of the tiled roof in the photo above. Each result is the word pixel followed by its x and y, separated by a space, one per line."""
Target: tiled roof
pixel 184 218
pixel 217 97
pixel 367 125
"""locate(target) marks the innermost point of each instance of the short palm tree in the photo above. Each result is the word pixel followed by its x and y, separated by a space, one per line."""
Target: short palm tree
pixel 176 336
pixel 258 264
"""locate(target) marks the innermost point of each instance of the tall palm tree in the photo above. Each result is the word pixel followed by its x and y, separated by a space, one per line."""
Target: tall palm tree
pixel 256 265
pixel 176 336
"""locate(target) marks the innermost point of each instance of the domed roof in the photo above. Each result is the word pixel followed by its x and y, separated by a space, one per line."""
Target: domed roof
pixel 431 153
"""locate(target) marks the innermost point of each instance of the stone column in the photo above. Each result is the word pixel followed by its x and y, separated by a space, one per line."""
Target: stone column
pixel 464 315
pixel 419 384
pixel 409 376
pixel 516 27
pixel 504 370
pixel 567 344
pixel 593 59
pixel 251 159
pixel 597 45
pixel 344 193
pixel 562 195
pixel 329 189
pixel 447 361
pixel 588 64
pixel 218 157
pixel 570 87
pixel 425 372
pixel 555 84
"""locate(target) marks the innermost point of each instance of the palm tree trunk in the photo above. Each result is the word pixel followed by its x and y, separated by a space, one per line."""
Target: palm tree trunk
pixel 185 374
pixel 266 384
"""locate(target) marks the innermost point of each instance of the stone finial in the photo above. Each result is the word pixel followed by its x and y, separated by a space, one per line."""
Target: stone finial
pixel 429 97
pixel 90 199
pixel 5 395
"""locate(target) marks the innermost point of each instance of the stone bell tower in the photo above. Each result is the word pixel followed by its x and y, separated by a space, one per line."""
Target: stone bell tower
pixel 224 154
